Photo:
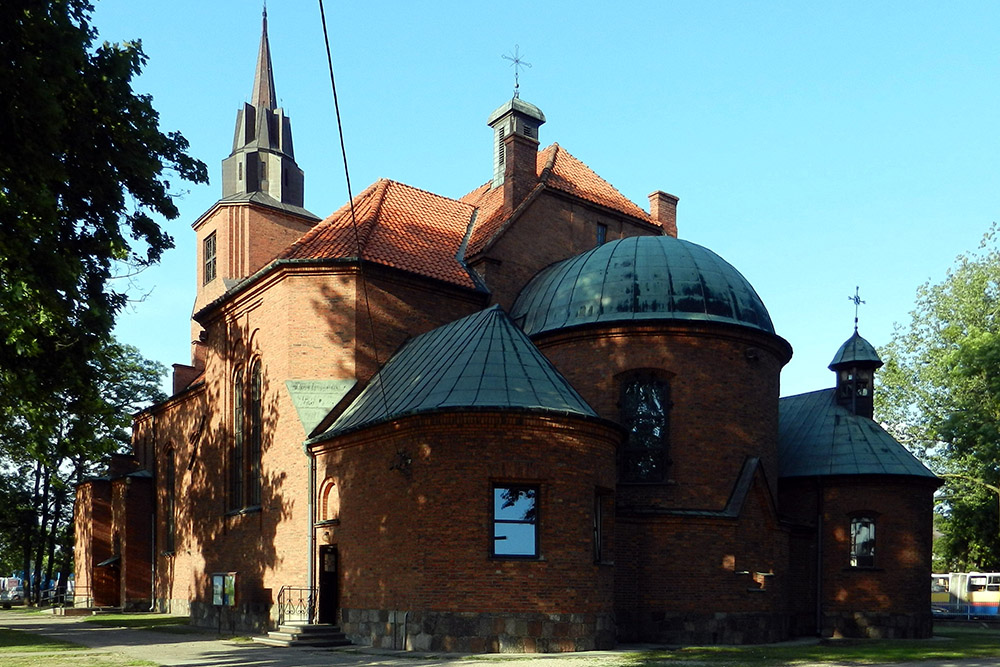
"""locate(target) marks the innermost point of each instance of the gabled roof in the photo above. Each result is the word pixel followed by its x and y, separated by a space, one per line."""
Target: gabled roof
pixel 398 226
pixel 558 170
pixel 817 437
pixel 482 361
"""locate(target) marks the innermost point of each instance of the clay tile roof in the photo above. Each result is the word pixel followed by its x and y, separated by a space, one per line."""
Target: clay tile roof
pixel 557 169
pixel 398 226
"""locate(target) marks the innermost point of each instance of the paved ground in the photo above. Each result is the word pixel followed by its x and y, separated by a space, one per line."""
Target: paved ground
pixel 206 651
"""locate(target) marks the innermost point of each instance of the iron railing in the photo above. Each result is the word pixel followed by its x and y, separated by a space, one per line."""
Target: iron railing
pixel 296 604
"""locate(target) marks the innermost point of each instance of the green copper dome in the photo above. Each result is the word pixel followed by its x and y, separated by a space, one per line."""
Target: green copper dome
pixel 855 351
pixel 639 278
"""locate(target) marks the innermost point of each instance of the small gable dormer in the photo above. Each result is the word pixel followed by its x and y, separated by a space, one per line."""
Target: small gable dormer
pixel 855 364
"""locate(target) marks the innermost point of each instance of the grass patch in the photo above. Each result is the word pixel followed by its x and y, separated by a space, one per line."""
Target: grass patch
pixel 950 644
pixel 16 641
pixel 162 622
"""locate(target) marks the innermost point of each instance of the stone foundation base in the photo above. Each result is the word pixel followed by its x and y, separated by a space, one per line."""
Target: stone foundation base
pixel 252 618
pixel 478 632
pixel 690 628
pixel 877 625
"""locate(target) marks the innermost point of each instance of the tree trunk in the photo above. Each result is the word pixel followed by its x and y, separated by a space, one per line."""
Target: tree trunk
pixel 41 533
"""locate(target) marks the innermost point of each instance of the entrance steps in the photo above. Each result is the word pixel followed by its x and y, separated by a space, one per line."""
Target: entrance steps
pixel 319 635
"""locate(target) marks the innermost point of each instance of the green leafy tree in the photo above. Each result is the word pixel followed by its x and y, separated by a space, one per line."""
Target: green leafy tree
pixel 84 169
pixel 45 449
pixel 940 395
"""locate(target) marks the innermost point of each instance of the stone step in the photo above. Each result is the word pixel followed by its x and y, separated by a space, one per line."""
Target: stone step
pixel 305 635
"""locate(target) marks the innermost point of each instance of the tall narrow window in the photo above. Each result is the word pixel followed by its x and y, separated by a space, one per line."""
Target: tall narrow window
pixel 170 501
pixel 599 548
pixel 863 541
pixel 645 412
pixel 602 234
pixel 515 521
pixel 208 255
pixel 255 426
pixel 236 454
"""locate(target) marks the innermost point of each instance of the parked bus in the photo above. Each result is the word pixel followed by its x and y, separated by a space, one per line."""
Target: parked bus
pixel 968 594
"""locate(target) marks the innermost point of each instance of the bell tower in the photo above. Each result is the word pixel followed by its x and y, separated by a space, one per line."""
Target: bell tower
pixel 263 159
pixel 855 364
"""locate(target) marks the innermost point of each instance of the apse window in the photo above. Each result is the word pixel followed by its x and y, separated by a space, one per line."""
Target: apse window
pixel 602 234
pixel 863 541
pixel 515 521
pixel 208 253
pixel 645 414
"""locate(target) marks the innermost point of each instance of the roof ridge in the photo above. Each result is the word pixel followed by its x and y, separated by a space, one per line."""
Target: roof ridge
pixel 381 191
pixel 432 194
pixel 602 180
pixel 330 220
pixel 543 177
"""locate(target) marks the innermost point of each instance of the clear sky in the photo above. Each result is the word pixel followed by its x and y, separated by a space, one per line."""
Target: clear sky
pixel 815 146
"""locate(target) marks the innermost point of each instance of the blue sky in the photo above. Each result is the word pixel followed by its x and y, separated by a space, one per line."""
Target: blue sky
pixel 815 146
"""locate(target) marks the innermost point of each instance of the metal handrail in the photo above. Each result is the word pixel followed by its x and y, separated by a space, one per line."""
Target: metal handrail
pixel 297 604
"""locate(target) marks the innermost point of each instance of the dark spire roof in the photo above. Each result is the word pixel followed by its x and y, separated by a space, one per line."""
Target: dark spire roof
pixel 480 362
pixel 856 351
pixel 818 437
pixel 263 96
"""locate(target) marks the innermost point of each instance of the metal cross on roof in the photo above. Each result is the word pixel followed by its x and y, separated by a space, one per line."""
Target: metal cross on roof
pixel 857 302
pixel 517 63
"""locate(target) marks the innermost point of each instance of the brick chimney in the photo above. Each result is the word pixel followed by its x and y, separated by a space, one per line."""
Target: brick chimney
pixel 515 149
pixel 663 211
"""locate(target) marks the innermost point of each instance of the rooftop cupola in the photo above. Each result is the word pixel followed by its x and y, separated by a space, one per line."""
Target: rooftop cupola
pixel 515 148
pixel 855 364
pixel 263 159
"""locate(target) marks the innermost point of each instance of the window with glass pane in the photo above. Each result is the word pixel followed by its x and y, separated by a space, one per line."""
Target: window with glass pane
pixel 256 426
pixel 645 411
pixel 515 521
pixel 236 472
pixel 862 542
pixel 208 257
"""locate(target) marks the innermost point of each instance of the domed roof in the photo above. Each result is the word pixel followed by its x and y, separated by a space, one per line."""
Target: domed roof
pixel 855 351
pixel 639 278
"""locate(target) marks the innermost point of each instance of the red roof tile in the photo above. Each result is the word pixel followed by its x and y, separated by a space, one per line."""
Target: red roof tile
pixel 417 231
pixel 398 226
pixel 556 169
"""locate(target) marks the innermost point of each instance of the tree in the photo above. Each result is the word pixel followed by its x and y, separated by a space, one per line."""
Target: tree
pixel 940 395
pixel 46 449
pixel 83 170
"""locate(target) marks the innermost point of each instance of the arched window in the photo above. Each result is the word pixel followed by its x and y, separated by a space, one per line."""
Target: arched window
pixel 645 414
pixel 329 500
pixel 255 425
pixel 236 472
pixel 863 541
pixel 170 500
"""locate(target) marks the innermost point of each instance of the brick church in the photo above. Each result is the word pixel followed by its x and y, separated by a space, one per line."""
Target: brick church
pixel 528 419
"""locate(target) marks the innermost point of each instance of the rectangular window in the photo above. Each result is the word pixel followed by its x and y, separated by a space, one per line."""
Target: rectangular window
pixel 862 542
pixel 602 234
pixel 515 521
pixel 208 255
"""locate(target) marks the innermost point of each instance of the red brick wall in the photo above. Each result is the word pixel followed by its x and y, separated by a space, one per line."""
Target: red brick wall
pixel 553 228
pixel 897 586
pixel 725 403
pixel 421 538
pixel 132 511
pixel 93 525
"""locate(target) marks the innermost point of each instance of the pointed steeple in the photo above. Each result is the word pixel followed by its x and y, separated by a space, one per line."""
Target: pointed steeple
pixel 262 165
pixel 263 81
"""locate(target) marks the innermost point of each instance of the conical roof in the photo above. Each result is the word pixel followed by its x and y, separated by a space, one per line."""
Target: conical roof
pixel 482 361
pixel 856 351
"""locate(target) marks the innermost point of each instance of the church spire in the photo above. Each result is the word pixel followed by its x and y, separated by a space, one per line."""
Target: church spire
pixel 263 81
pixel 262 165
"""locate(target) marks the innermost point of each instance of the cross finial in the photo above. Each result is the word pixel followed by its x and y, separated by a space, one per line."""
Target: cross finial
pixel 518 64
pixel 857 303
